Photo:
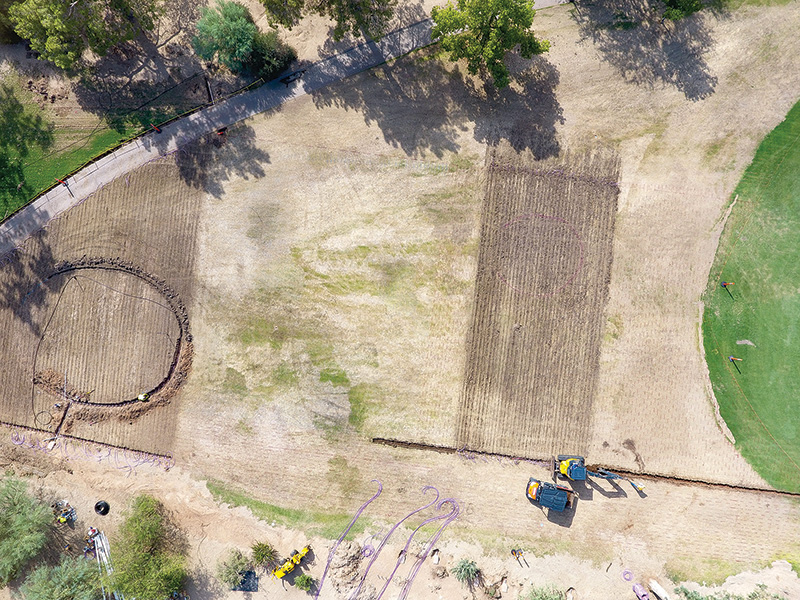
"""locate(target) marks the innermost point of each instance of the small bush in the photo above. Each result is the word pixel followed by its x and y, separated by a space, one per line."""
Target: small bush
pixel 147 562
pixel 230 570
pixel 545 592
pixel 72 579
pixel 304 582
pixel 270 55
pixel 24 523
pixel 466 572
pixel 264 555
pixel 677 9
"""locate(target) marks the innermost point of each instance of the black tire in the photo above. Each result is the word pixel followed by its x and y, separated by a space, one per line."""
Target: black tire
pixel 102 507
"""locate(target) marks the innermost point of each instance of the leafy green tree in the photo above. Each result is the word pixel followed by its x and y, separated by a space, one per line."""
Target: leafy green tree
pixel 24 522
pixel 72 579
pixel 227 34
pixel 264 554
pixel 466 572
pixel 147 563
pixel 230 570
pixel 60 30
pixel 304 582
pixel 678 9
pixel 484 31
pixel 358 17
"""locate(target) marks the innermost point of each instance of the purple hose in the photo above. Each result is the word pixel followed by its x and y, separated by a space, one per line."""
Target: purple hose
pixel 344 534
pixel 357 591
pixel 417 565
pixel 404 551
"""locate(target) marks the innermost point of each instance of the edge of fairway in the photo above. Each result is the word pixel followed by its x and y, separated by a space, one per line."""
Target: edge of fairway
pixel 756 318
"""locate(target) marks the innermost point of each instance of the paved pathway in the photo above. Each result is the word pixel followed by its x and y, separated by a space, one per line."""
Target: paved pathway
pixel 154 145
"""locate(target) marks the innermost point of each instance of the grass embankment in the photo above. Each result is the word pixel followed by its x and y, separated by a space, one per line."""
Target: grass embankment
pixel 759 321
pixel 326 525
pixel 39 145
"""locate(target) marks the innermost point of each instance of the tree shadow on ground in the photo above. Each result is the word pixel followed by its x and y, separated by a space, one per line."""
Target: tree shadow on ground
pixel 404 15
pixel 214 159
pixel 22 130
pixel 201 584
pixel 632 37
pixel 24 287
pixel 423 105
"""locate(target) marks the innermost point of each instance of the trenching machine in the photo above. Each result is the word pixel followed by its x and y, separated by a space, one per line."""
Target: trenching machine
pixel 574 468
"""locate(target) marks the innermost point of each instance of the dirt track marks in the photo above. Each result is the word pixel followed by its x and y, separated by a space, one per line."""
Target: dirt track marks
pixel 541 287
pixel 146 226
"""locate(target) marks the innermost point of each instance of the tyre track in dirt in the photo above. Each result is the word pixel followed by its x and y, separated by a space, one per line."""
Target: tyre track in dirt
pixel 541 287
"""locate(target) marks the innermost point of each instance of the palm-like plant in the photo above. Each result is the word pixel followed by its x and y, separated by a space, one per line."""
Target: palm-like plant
pixel 264 554
pixel 466 572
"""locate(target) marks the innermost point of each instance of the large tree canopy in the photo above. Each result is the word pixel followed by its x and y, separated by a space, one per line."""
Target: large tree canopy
pixel 226 33
pixel 484 31
pixel 358 17
pixel 23 528
pixel 60 30
pixel 72 579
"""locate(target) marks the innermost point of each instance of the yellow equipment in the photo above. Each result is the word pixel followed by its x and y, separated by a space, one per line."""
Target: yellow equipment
pixel 291 563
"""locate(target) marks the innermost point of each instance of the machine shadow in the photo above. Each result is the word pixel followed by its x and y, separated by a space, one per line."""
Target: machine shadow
pixel 646 49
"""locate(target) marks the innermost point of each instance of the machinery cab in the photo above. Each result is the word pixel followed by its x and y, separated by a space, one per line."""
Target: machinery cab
pixel 571 467
pixel 291 562
pixel 554 497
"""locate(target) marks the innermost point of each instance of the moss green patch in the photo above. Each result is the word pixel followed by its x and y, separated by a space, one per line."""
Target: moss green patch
pixel 614 328
pixel 234 382
pixel 283 374
pixel 707 571
pixel 346 476
pixel 758 253
pixel 325 524
pixel 361 397
pixel 335 376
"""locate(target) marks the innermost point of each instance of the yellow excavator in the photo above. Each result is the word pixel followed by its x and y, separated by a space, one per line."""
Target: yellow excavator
pixel 291 562
pixel 574 468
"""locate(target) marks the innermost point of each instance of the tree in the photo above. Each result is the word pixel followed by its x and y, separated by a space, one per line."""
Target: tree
pixel 358 17
pixel 72 579
pixel 484 31
pixel 677 9
pixel 24 523
pixel 147 563
pixel 60 30
pixel 230 570
pixel 466 572
pixel 227 34
pixel 304 582
pixel 264 554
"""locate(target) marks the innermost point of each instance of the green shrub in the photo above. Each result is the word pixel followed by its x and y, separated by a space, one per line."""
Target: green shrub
pixel 72 579
pixel 147 563
pixel 230 570
pixel 24 522
pixel 545 592
pixel 304 582
pixel 264 554
pixel 466 572
pixel 270 55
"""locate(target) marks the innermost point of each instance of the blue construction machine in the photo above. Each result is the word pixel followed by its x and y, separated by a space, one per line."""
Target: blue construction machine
pixel 548 495
pixel 574 468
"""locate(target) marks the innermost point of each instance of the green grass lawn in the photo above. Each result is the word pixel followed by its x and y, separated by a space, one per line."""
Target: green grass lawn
pixel 37 147
pixel 760 252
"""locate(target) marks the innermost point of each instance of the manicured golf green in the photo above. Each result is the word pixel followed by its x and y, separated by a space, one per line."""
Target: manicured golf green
pixel 758 318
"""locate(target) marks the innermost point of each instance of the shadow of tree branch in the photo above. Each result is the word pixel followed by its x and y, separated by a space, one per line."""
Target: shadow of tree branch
pixel 646 49
pixel 423 104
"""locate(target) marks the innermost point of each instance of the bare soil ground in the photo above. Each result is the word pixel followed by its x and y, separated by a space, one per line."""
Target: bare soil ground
pixel 540 291
pixel 327 256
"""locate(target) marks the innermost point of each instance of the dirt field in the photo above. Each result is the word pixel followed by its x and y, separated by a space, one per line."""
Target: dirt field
pixel 327 257
pixel 114 324
pixel 541 287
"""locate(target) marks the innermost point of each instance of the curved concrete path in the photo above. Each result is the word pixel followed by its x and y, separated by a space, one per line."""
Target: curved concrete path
pixel 178 133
